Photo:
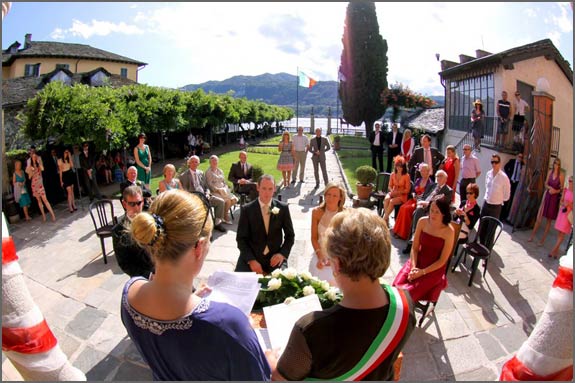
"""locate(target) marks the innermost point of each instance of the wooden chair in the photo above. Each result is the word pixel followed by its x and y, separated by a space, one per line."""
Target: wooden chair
pixel 381 189
pixel 488 232
pixel 102 213
pixel 429 305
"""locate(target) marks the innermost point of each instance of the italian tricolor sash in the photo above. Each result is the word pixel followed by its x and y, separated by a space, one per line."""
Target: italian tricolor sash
pixel 386 341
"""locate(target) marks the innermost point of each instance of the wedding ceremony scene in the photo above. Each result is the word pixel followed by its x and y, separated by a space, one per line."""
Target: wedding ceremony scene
pixel 303 225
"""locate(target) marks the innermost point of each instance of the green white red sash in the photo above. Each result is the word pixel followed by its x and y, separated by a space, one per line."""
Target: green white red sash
pixel 385 343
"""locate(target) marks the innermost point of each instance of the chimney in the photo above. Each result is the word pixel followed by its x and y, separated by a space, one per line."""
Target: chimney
pixel 446 64
pixel 27 40
pixel 464 58
pixel 479 53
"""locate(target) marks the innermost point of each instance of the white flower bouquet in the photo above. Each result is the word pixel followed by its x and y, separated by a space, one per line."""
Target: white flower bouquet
pixel 283 286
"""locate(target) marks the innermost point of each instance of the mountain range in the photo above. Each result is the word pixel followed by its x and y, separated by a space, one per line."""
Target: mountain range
pixel 282 89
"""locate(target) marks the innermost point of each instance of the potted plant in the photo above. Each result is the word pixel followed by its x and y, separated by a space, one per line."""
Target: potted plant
pixel 365 176
pixel 336 141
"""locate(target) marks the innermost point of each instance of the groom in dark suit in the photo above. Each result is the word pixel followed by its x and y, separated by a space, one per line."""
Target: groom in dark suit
pixel 318 145
pixel 265 231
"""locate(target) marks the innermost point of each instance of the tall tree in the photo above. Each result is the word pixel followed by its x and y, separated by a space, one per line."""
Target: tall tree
pixel 363 66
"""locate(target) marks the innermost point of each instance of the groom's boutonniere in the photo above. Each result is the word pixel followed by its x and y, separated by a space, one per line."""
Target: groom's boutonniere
pixel 274 210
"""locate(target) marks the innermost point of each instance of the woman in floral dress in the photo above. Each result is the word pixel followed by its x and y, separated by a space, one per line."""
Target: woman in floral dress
pixel 34 171
pixel 286 161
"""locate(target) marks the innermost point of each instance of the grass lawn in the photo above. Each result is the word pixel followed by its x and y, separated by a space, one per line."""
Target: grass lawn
pixel 353 141
pixel 351 160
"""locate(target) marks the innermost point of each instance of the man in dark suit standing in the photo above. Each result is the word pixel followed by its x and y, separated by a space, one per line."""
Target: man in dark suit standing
pixel 513 169
pixel 376 141
pixel 265 231
pixel 394 139
pixel 425 153
pixel 132 179
pixel 241 175
pixel 88 164
pixel 318 146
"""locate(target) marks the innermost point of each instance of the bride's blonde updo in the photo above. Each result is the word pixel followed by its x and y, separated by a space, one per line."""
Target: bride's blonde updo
pixel 172 225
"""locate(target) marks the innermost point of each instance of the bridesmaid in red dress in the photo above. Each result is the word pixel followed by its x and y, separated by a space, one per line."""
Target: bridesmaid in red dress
pixel 423 185
pixel 452 166
pixel 432 245
pixel 407 145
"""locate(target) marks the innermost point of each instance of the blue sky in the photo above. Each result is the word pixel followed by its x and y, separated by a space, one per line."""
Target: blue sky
pixel 189 43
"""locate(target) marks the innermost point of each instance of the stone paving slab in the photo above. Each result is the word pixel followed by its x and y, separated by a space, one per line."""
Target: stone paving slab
pixel 471 333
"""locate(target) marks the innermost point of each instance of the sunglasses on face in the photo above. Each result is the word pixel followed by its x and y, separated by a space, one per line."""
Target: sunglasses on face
pixel 134 203
pixel 494 162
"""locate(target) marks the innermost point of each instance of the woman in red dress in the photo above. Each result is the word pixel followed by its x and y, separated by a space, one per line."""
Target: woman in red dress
pixel 423 185
pixel 407 145
pixel 451 165
pixel 432 245
pixel 399 187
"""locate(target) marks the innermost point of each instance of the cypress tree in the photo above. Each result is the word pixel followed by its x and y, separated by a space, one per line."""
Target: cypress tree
pixel 364 66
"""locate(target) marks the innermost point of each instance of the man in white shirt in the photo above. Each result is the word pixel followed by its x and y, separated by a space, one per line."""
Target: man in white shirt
pixel 497 189
pixel 376 140
pixel 520 108
pixel 301 145
pixel 470 170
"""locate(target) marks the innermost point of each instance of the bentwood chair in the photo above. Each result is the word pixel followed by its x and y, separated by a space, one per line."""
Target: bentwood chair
pixel 102 213
pixel 428 303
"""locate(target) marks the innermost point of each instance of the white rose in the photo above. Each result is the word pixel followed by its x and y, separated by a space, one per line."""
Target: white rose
pixel 332 293
pixel 276 273
pixel 289 300
pixel 274 284
pixel 325 285
pixel 308 290
pixel 290 273
pixel 306 275
pixel 275 210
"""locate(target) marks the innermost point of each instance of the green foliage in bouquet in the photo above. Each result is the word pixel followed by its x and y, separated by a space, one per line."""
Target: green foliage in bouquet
pixel 282 286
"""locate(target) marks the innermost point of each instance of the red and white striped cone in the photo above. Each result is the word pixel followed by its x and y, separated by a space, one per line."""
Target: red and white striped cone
pixel 548 352
pixel 27 340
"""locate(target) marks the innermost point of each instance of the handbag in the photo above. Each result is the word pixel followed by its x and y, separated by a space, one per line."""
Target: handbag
pixel 17 191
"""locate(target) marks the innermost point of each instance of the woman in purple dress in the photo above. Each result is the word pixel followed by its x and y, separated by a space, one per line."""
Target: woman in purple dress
pixel 550 204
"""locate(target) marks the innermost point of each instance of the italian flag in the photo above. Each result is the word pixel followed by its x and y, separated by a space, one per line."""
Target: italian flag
pixel 305 80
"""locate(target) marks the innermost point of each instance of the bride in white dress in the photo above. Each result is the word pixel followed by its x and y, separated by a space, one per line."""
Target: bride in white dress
pixel 333 201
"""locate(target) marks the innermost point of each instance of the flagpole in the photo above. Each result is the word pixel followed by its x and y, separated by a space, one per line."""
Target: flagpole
pixel 337 105
pixel 297 99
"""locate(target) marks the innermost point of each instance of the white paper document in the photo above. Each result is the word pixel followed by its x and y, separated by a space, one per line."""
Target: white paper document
pixel 238 289
pixel 280 318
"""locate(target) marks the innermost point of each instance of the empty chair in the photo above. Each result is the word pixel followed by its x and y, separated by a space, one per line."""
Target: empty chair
pixel 102 213
pixel 381 186
pixel 489 230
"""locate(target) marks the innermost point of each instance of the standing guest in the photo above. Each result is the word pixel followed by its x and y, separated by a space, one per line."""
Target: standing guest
pixel 425 153
pixel 241 175
pixel 218 186
pixel 563 225
pixel 301 145
pixel 133 259
pixel 21 195
pixel 169 182
pixel 194 180
pixel 67 178
pixel 394 139
pixel 432 247
pixel 287 157
pixel 497 189
pixel 34 171
pixel 265 231
pixel 143 158
pixel 477 123
pixel 88 163
pixel 376 146
pixel 468 213
pixel 132 179
pixel 520 108
pixel 407 145
pixel 318 146
pixel 372 320
pixel 399 188
pixel 333 203
pixel 549 207
pixel 452 167
pixel 179 334
pixel 80 182
pixel 503 112
pixel 422 188
pixel 104 170
pixel 513 169
pixel 191 144
pixel 470 169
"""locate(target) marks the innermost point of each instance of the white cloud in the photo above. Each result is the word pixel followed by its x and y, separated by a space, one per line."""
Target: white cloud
pixel 95 28
pixel 58 34
pixel 530 12
pixel 564 21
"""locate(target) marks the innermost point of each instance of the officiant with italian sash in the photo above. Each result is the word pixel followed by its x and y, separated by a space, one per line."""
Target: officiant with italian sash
pixel 361 337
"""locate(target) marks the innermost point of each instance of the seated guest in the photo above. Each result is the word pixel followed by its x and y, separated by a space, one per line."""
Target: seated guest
pixel 131 179
pixel 194 180
pixel 132 259
pixel 217 184
pixel 169 182
pixel 104 170
pixel 241 175
pixel 329 344
pixel 468 212
pixel 399 187
pixel 422 208
pixel 179 334
pixel 333 201
pixel 423 186
pixel 432 245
